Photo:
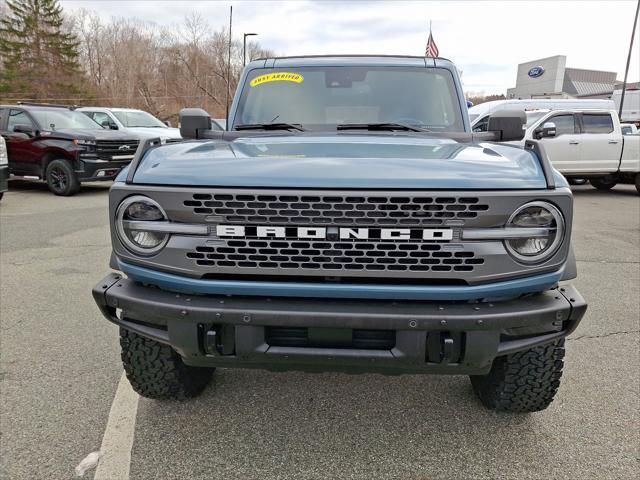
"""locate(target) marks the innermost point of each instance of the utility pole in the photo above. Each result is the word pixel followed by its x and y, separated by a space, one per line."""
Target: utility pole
pixel 244 47
pixel 626 70
pixel 229 62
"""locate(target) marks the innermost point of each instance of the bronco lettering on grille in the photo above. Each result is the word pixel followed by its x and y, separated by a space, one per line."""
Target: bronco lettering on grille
pixel 267 231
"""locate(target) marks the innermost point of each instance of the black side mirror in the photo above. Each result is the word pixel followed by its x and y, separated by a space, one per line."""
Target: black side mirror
pixel 167 123
pixel 194 122
pixel 508 125
pixel 26 129
pixel 547 130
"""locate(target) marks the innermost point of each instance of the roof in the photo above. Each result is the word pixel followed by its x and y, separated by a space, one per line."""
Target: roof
pixel 37 106
pixel 351 60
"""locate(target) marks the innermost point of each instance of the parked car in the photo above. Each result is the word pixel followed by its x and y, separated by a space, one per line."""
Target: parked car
pixel 62 146
pixel 364 230
pixel 479 114
pixel 588 144
pixel 4 168
pixel 133 121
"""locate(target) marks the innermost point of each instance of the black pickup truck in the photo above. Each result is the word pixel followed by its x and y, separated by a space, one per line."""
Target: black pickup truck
pixel 61 146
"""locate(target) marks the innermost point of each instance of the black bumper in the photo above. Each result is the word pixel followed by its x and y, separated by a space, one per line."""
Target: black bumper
pixel 91 170
pixel 4 178
pixel 341 335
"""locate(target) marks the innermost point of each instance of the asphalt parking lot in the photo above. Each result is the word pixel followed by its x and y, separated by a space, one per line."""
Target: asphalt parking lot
pixel 60 369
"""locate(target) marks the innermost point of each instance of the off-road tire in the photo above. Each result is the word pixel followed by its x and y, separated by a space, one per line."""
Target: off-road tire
pixel 156 371
pixel 522 382
pixel 61 179
pixel 603 183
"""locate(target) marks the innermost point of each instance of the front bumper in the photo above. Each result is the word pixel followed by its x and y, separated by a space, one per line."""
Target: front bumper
pixel 4 178
pixel 320 335
pixel 92 170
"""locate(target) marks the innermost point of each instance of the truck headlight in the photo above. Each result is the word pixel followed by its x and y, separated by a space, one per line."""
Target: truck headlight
pixel 131 212
pixel 548 221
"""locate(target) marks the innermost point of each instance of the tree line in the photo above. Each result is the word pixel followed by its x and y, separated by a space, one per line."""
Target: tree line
pixel 78 58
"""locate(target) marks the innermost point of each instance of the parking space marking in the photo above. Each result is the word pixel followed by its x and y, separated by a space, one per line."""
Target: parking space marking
pixel 118 436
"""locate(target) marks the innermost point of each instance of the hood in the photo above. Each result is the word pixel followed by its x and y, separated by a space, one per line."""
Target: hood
pixel 89 134
pixel 342 161
pixel 145 132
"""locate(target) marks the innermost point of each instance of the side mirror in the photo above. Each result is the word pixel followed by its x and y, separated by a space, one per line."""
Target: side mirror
pixel 193 122
pixel 109 125
pixel 508 125
pixel 547 130
pixel 167 123
pixel 26 129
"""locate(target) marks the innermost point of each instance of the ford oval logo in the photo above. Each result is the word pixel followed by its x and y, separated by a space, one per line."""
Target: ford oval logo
pixel 536 72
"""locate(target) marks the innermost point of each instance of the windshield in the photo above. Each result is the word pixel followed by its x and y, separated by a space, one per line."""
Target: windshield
pixel 137 118
pixel 324 97
pixel 61 118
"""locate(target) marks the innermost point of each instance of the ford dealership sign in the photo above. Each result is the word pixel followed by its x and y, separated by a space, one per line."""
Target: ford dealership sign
pixel 535 72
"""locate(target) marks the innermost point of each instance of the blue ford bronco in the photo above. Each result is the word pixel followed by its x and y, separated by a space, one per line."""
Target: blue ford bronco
pixel 347 220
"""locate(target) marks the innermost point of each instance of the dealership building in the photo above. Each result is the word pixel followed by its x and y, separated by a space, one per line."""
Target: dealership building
pixel 551 78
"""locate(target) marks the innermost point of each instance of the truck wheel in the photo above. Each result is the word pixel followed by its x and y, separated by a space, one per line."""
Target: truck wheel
pixel 603 183
pixel 522 382
pixel 61 179
pixel 638 182
pixel 156 371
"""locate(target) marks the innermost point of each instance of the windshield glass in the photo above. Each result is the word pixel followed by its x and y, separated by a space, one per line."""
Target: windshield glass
pixel 137 118
pixel 323 97
pixel 62 118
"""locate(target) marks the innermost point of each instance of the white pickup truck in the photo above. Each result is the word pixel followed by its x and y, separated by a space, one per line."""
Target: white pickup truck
pixel 588 144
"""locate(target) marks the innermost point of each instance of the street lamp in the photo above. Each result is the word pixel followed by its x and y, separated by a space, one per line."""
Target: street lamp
pixel 244 47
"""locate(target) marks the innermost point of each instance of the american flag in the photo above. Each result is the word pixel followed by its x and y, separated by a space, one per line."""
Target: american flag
pixel 432 48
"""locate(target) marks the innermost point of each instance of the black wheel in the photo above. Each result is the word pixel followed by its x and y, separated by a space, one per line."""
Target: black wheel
pixel 156 371
pixel 522 382
pixel 577 181
pixel 638 182
pixel 61 179
pixel 2 194
pixel 603 183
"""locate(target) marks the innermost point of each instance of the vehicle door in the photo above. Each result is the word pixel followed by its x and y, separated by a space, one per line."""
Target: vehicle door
pixel 564 149
pixel 600 144
pixel 24 155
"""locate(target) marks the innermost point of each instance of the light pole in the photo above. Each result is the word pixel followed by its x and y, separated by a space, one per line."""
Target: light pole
pixel 244 47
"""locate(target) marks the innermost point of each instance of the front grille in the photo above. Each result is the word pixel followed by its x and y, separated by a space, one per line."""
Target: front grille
pixel 353 210
pixel 339 257
pixel 107 149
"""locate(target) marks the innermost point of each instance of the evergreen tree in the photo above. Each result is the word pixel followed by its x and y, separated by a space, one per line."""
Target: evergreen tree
pixel 39 58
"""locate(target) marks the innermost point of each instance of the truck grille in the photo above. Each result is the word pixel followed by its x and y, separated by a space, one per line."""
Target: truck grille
pixel 335 210
pixel 371 256
pixel 108 149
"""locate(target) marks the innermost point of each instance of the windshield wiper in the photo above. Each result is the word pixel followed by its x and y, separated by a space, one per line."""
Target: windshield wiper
pixel 381 127
pixel 270 126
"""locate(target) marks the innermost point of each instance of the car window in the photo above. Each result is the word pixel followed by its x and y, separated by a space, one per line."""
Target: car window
pixel 101 118
pixel 18 117
pixel 625 130
pixel 597 123
pixel 482 125
pixel 565 124
pixel 137 118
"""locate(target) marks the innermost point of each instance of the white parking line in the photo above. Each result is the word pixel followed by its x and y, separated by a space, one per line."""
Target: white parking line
pixel 118 436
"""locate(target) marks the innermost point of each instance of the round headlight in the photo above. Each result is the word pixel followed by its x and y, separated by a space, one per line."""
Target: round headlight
pixel 547 222
pixel 131 216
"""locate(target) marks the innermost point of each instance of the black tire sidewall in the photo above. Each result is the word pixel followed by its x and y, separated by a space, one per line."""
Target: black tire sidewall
pixel 72 186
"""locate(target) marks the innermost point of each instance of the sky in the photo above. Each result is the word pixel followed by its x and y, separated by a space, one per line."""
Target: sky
pixel 486 40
